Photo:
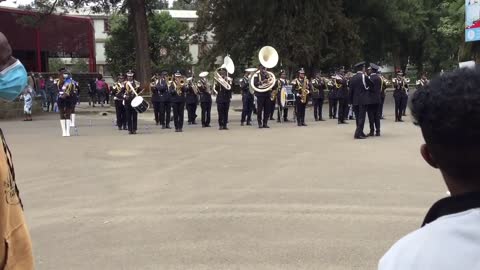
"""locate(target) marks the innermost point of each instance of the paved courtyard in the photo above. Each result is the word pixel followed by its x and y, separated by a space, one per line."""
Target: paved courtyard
pixel 284 198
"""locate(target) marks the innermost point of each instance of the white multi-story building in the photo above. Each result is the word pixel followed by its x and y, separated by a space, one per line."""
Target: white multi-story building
pixel 101 26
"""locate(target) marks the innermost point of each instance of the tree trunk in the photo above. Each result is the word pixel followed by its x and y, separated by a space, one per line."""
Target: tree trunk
pixel 142 50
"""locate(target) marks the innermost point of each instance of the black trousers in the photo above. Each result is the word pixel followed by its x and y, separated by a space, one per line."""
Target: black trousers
pixel 300 107
pixel 222 109
pixel 317 108
pixel 121 114
pixel 156 111
pixel 272 108
pixel 101 96
pixel 380 110
pixel 192 112
pixel 263 110
pixel 332 107
pixel 404 105
pixel 132 117
pixel 206 110
pixel 178 112
pixel 50 101
pixel 342 110
pixel 165 111
pixel 247 109
pixel 398 108
pixel 374 117
pixel 360 114
pixel 93 98
pixel 285 113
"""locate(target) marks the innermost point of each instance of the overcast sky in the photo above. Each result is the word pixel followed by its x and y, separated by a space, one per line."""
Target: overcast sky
pixel 15 3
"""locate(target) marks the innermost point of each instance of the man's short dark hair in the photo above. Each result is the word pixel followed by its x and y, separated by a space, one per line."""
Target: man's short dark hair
pixel 448 113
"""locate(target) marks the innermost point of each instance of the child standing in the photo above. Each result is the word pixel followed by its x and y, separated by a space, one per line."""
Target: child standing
pixel 28 101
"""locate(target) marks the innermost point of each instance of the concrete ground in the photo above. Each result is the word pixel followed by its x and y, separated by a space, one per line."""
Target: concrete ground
pixel 283 198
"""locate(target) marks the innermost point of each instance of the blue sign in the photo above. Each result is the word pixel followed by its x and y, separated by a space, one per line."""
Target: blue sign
pixel 472 20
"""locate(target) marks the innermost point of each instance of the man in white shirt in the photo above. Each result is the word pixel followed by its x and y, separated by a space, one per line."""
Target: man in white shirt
pixel 448 113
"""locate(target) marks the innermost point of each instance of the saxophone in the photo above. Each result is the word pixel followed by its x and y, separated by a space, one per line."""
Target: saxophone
pixel 303 89
pixel 274 93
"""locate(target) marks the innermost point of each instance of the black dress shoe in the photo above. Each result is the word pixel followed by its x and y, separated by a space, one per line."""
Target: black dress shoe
pixel 377 134
pixel 322 120
pixel 194 123
pixel 371 134
pixel 260 126
pixel 168 127
pixel 130 132
pixel 271 118
pixel 249 124
pixel 286 120
pixel 208 126
pixel 400 120
pixel 242 124
pixel 305 125
pixel 225 128
pixel 266 126
pixel 299 124
pixel 360 137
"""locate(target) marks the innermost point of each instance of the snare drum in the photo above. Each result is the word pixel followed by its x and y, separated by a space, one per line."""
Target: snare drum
pixel 139 104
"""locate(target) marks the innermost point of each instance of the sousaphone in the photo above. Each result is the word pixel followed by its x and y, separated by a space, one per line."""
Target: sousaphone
pixel 268 57
pixel 230 67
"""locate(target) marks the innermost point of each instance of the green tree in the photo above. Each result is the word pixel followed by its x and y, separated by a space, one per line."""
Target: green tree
pixel 310 33
pixel 165 33
pixel 54 64
pixel 185 4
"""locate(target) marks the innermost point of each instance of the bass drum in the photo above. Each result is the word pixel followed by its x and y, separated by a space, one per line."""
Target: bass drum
pixel 139 104
pixel 283 97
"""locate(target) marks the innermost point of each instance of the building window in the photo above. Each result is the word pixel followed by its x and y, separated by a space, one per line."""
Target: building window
pixel 106 26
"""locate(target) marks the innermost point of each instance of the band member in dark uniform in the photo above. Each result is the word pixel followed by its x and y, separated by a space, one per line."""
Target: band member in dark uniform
pixel 332 102
pixel 162 101
pixel 340 87
pixel 374 100
pixel 66 88
pixel 282 111
pixel 383 94
pixel 177 91
pixel 224 96
pixel 131 86
pixel 422 82
pixel 205 99
pixel 301 88
pixel 165 105
pixel 118 93
pixel 247 98
pixel 273 102
pixel 318 96
pixel 359 87
pixel 263 98
pixel 191 102
pixel 401 88
pixel 156 98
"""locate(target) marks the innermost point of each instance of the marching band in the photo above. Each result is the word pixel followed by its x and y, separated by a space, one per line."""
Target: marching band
pixel 363 93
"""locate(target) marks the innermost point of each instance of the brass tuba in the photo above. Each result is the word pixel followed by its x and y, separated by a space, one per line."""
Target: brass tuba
pixel 230 67
pixel 268 57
